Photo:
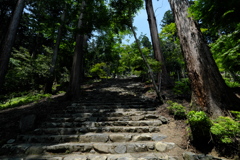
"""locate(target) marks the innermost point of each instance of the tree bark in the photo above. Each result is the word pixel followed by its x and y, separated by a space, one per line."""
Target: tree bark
pixel 9 41
pixel 77 66
pixel 148 66
pixel 209 90
pixel 163 76
pixel 49 83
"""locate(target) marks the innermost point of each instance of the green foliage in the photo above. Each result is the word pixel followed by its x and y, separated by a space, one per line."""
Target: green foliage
pixel 176 109
pixel 145 42
pixel 236 115
pixel 98 70
pixel 169 32
pixel 167 18
pixel 18 101
pixel 198 119
pixel 226 129
pixel 182 87
pixel 226 51
pixel 170 45
pixel 231 83
pixel 131 62
pixel 218 15
pixel 27 72
pixel 200 125
pixel 154 64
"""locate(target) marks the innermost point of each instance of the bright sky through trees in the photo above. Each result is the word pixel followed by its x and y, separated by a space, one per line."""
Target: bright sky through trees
pixel 140 21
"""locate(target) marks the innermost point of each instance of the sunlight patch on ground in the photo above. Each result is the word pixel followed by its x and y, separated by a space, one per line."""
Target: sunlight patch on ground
pixel 121 91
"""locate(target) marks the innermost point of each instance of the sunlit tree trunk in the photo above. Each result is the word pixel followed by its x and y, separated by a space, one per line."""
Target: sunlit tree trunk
pixel 49 83
pixel 163 76
pixel 147 65
pixel 76 72
pixel 5 52
pixel 209 90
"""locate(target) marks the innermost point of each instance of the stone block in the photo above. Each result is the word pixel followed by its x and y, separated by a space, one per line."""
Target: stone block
pixel 142 137
pixel 97 157
pixel 138 118
pixel 94 138
pixel 160 146
pixel 164 146
pixel 140 148
pixel 131 148
pixel 80 147
pixel 75 157
pixel 102 148
pixel 120 137
pixel 34 150
pixel 120 149
pixel 158 137
pixel 163 119
pixel 193 156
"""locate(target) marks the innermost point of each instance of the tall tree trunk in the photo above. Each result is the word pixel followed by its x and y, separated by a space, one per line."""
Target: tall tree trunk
pixel 75 79
pixel 9 41
pixel 209 90
pixel 49 83
pixel 163 76
pixel 148 66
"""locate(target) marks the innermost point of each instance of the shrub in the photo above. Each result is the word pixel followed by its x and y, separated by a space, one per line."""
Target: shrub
pixel 225 129
pixel 236 115
pixel 98 70
pixel 200 125
pixel 177 110
pixel 182 87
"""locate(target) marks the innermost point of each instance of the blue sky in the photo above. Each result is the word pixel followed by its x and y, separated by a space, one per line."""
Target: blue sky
pixel 140 21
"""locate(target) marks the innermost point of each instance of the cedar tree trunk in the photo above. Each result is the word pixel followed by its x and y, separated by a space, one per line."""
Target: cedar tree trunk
pixel 75 79
pixel 5 52
pixel 49 83
pixel 163 76
pixel 209 90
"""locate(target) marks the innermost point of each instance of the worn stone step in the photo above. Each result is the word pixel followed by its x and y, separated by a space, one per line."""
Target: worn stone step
pixel 92 137
pixel 110 106
pixel 79 130
pixel 120 102
pixel 79 111
pixel 126 156
pixel 104 114
pixel 104 148
pixel 102 124
pixel 107 118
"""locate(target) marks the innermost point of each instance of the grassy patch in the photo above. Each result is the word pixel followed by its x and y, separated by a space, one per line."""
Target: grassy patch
pixel 18 101
pixel 177 110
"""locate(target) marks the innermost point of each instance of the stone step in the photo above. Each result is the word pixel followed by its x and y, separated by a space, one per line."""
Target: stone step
pixel 92 137
pixel 103 148
pixel 80 130
pixel 121 102
pixel 101 124
pixel 110 106
pixel 97 109
pixel 80 110
pixel 93 118
pixel 126 156
pixel 101 113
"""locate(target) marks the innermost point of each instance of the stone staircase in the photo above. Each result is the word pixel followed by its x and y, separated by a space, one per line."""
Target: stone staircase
pixel 114 123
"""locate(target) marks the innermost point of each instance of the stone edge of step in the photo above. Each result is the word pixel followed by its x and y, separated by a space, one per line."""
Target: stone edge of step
pixel 104 148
